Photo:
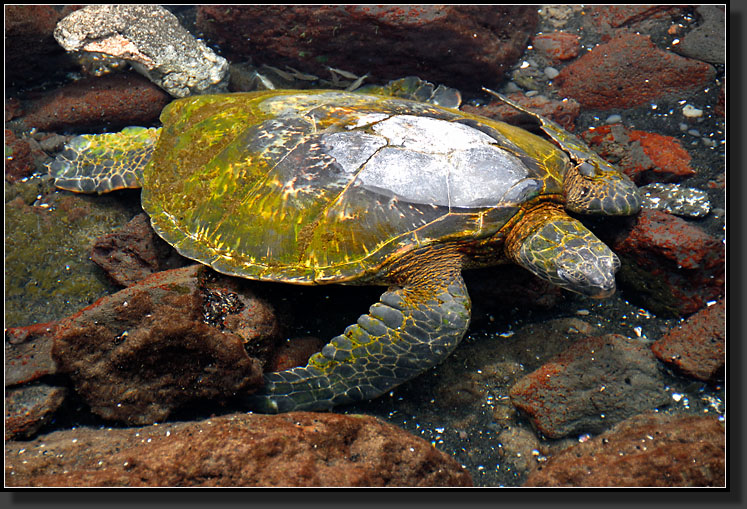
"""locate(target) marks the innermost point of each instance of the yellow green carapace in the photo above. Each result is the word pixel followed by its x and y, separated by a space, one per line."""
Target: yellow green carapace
pixel 316 187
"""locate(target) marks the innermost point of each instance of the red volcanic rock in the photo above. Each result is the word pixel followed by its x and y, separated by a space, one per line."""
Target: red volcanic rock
pixel 646 450
pixel 697 347
pixel 629 71
pixel 463 46
pixel 645 157
pixel 114 100
pixel 294 449
pixel 557 46
pixel 669 266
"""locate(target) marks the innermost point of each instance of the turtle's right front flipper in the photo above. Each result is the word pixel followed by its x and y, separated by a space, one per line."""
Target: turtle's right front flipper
pixel 412 328
pixel 99 163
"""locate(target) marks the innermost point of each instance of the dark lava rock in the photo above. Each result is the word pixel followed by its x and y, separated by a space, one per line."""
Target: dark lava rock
pixel 669 266
pixel 645 157
pixel 294 449
pixel 646 450
pixel 629 71
pixel 595 383
pixel 697 347
pixel 134 252
pixel 115 100
pixel 706 41
pixel 462 46
pixel 147 350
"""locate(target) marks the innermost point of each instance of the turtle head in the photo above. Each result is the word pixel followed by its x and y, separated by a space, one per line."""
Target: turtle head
pixel 561 250
pixel 595 187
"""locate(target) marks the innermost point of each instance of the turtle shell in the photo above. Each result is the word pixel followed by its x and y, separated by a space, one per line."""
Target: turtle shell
pixel 330 186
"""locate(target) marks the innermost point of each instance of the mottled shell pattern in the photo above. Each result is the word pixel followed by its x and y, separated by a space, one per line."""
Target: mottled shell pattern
pixel 331 186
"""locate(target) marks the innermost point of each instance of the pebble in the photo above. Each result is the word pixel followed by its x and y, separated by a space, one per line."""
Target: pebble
pixel 614 119
pixel 691 111
pixel 551 72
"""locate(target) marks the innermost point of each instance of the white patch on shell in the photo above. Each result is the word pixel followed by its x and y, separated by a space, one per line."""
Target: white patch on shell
pixel 429 135
pixel 444 163
pixel 352 149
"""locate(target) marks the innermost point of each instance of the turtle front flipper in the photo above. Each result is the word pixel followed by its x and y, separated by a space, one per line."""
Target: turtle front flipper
pixel 99 163
pixel 554 246
pixel 412 328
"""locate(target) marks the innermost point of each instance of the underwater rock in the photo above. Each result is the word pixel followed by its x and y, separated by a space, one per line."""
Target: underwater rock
pixel 697 347
pixel 134 252
pixel 629 71
pixel 152 40
pixel 706 41
pixel 669 266
pixel 29 407
pixel 563 112
pixel 461 46
pixel 646 450
pixel 557 46
pixel 138 355
pixel 294 449
pixel 116 100
pixel 643 156
pixel 595 383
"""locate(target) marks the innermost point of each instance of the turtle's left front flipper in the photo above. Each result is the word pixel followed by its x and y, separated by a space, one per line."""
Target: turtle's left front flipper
pixel 99 163
pixel 412 328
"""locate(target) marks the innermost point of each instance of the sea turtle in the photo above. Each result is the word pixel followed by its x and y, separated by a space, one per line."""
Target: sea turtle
pixel 317 187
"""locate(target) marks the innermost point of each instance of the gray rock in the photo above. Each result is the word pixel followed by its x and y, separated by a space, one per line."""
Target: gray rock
pixel 706 41
pixel 592 385
pixel 151 39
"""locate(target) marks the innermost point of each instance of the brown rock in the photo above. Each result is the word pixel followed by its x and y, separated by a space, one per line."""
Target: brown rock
pixel 647 450
pixel 557 46
pixel 294 449
pixel 18 161
pixel 28 353
pixel 563 112
pixel 114 100
pixel 29 407
pixel 669 266
pixel 629 71
pixel 592 385
pixel 295 352
pixel 134 252
pixel 147 350
pixel 697 347
pixel 463 46
pixel 30 48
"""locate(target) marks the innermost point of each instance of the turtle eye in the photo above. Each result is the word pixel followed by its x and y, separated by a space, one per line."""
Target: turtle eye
pixel 587 169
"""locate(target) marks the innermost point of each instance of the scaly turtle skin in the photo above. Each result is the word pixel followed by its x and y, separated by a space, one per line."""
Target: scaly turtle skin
pixel 321 187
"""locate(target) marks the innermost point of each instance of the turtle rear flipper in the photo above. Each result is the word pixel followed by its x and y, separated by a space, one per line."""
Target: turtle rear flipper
pixel 99 163
pixel 411 328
